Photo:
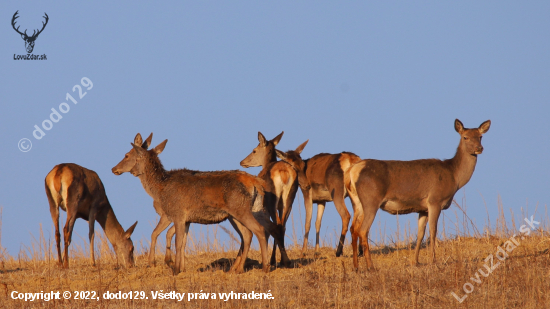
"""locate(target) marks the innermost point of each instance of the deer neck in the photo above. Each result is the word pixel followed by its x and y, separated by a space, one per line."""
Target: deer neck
pixel 463 165
pixel 268 159
pixel 153 177
pixel 112 228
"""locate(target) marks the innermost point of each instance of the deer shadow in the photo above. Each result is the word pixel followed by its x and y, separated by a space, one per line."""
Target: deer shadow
pixel 6 271
pixel 224 264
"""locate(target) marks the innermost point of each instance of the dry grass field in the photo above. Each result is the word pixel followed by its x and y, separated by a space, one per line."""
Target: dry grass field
pixel 519 280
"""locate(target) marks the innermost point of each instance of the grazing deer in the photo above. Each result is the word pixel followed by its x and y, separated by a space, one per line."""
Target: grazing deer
pixel 282 184
pixel 401 187
pixel 187 197
pixel 80 192
pixel 325 174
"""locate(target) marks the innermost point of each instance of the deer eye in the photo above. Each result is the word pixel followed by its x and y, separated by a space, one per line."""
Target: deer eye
pixel 254 151
pixel 465 138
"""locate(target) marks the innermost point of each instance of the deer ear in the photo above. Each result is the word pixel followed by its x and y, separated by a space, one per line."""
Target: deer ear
pixel 129 231
pixel 301 147
pixel 261 139
pixel 459 127
pixel 138 140
pixel 484 127
pixel 147 142
pixel 277 138
pixel 281 155
pixel 160 147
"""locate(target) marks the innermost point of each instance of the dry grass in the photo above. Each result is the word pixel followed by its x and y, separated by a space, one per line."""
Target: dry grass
pixel 323 281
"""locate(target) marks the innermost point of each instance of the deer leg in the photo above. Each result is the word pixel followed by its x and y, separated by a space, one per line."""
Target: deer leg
pixel 91 234
pixel 67 233
pixel 54 211
pixel 422 220
pixel 370 202
pixel 164 222
pixel 248 220
pixel 356 223
pixel 338 198
pixel 246 239
pixel 308 203
pixel 358 217
pixel 286 214
pixel 280 227
pixel 320 211
pixel 433 216
pixel 182 228
pixel 169 235
pixel 238 227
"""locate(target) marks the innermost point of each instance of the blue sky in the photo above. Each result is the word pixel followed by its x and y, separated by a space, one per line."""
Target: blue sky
pixel 384 80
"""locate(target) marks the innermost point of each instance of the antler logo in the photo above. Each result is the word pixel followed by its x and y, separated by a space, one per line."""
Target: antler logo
pixel 29 40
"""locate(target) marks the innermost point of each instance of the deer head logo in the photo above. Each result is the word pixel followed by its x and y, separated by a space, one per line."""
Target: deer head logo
pixel 29 40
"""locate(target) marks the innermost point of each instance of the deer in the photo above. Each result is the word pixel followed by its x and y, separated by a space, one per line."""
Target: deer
pixel 80 192
pixel 163 223
pixel 186 197
pixel 282 184
pixel 325 174
pixel 424 186
pixel 29 40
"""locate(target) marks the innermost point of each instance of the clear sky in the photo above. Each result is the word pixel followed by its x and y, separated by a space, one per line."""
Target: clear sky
pixel 383 79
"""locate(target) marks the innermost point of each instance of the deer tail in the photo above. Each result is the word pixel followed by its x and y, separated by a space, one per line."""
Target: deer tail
pixel 350 187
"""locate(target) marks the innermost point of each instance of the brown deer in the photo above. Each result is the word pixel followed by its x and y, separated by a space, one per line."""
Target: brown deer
pixel 325 174
pixel 163 223
pixel 187 197
pixel 282 184
pixel 80 192
pixel 401 187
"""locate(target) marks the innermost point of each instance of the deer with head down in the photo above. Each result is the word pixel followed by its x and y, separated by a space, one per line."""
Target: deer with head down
pixel 400 187
pixel 80 192
pixel 187 197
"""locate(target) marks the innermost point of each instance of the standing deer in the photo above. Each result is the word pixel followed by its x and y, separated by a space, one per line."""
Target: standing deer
pixel 282 184
pixel 163 223
pixel 80 192
pixel 401 187
pixel 325 174
pixel 187 197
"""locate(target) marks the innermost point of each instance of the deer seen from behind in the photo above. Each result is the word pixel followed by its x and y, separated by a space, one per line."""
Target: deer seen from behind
pixel 186 197
pixel 282 184
pixel 400 187
pixel 325 177
pixel 80 192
